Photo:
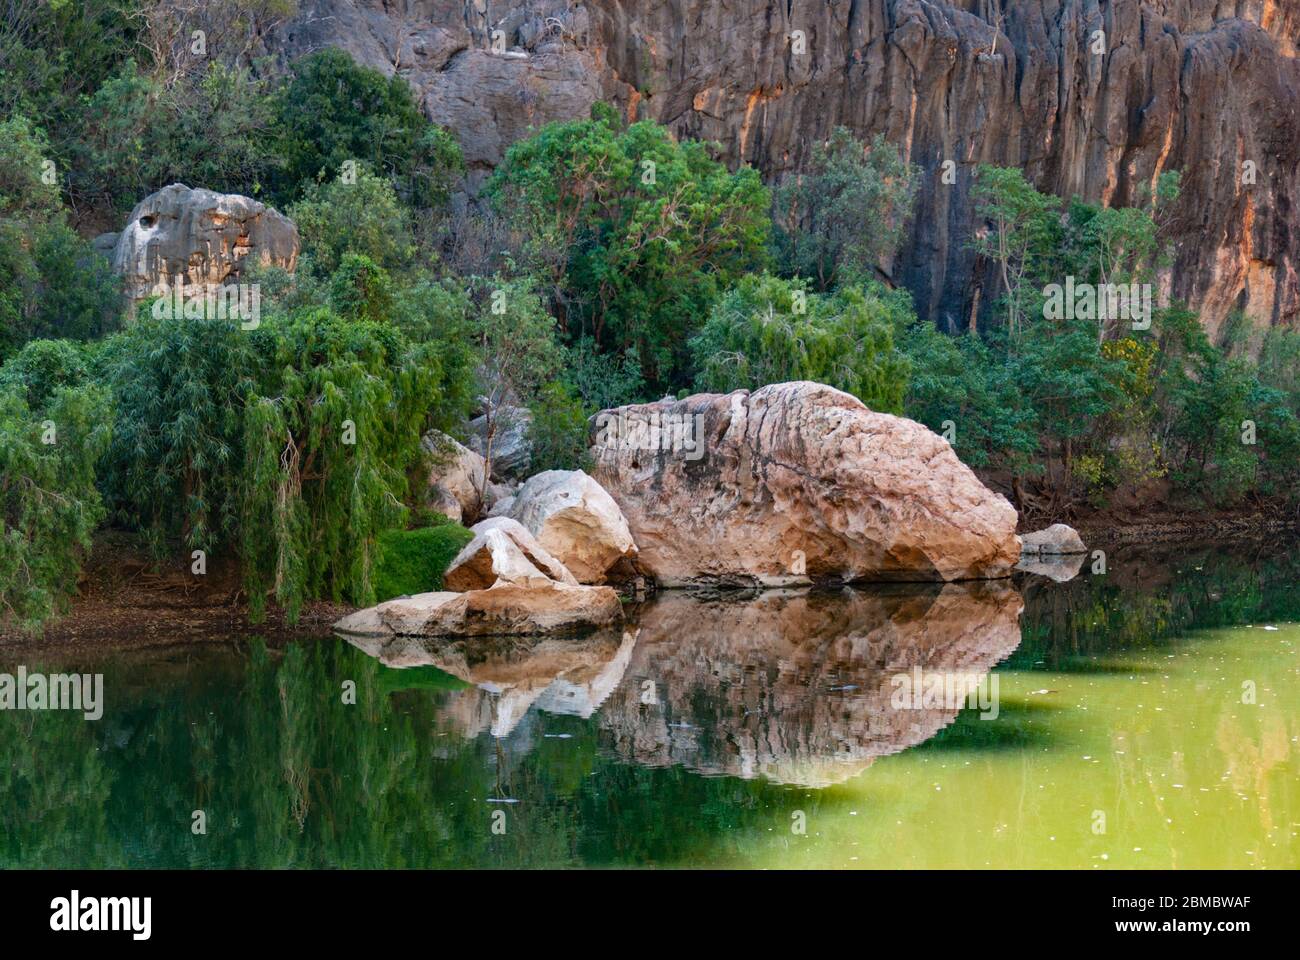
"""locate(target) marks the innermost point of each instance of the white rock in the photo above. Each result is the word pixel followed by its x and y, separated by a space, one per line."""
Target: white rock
pixel 576 520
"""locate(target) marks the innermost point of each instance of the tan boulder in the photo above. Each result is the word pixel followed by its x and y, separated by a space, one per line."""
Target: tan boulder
pixel 455 478
pixel 200 238
pixel 503 551
pixel 576 520
pixel 1059 538
pixel 796 482
pixel 507 609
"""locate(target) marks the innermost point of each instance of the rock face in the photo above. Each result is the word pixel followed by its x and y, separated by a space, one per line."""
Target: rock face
pixel 1199 86
pixel 206 238
pixel 1059 538
pixel 503 551
pixel 575 519
pixel 455 478
pixel 800 481
pixel 506 609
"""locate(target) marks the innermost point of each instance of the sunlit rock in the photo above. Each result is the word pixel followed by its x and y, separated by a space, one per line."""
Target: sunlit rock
pixel 1057 539
pixel 540 607
pixel 204 238
pixel 455 483
pixel 574 518
pixel 797 482
pixel 503 551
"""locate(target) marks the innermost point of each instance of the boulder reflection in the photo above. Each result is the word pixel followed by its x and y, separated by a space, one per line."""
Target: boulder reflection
pixel 792 686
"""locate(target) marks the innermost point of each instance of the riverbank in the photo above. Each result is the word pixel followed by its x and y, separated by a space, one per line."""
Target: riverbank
pixel 124 604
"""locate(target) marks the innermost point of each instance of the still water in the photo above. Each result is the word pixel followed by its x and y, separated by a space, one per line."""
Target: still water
pixel 1147 717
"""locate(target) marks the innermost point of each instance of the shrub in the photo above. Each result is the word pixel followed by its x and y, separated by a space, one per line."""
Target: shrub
pixel 334 110
pixel 768 330
pixel 413 561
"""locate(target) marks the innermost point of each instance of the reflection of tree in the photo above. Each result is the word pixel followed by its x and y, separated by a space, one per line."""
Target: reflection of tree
pixel 1075 625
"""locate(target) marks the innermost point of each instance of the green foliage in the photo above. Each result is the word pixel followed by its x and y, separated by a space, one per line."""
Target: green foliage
pixel 28 193
pixel 333 111
pixel 603 380
pixel 963 389
pixel 175 463
pixel 768 330
pixel 52 284
pixel 365 218
pixel 48 503
pixel 640 232
pixel 844 215
pixel 329 437
pixel 361 290
pixel 138 133
pixel 43 367
pixel 413 561
pixel 559 430
pixel 517 343
pixel 1022 234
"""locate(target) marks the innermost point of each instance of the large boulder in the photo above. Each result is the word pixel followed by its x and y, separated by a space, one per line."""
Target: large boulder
pixel 204 238
pixel 512 450
pixel 507 609
pixel 1059 538
pixel 796 482
pixel 576 520
pixel 455 478
pixel 503 551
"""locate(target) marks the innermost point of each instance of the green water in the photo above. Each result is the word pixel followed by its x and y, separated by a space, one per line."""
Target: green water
pixel 754 732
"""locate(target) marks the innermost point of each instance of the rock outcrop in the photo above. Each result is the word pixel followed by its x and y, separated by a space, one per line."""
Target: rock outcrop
pixel 203 237
pixel 503 551
pixel 505 609
pixel 1059 538
pixel 455 478
pixel 576 520
pixel 1205 87
pixel 799 482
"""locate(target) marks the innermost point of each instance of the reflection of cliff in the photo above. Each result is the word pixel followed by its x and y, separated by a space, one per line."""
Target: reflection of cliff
pixel 559 675
pixel 795 687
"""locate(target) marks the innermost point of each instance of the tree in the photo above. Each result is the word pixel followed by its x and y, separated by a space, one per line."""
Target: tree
pixel 54 425
pixel 519 352
pixel 361 216
pixel 335 423
pixel 334 110
pixel 1022 234
pixel 845 214
pixel 767 330
pixel 174 466
pixel 649 230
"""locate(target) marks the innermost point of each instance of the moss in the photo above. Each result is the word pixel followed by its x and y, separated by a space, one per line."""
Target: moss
pixel 413 561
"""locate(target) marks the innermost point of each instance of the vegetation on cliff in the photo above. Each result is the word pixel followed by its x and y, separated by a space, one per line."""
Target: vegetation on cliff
pixel 602 263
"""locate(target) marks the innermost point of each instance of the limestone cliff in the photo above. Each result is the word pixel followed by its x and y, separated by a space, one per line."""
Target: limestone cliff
pixel 1201 86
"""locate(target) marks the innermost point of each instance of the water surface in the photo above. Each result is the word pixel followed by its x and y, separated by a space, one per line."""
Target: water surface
pixel 1147 717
